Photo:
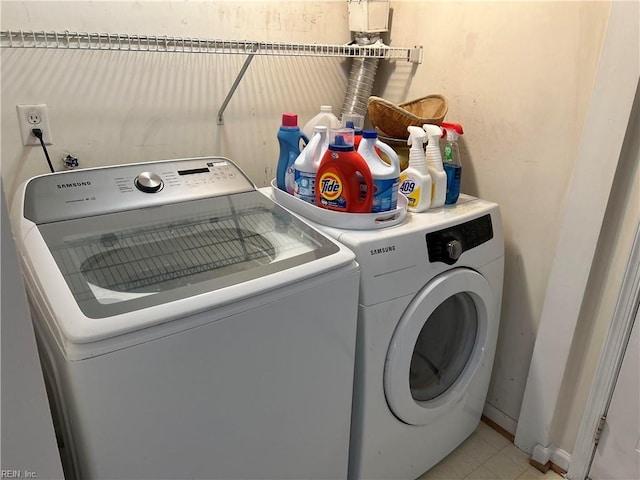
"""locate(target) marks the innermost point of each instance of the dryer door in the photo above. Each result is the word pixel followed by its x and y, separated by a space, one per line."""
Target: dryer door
pixel 438 346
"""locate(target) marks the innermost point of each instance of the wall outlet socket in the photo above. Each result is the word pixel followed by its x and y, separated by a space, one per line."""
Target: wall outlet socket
pixel 34 116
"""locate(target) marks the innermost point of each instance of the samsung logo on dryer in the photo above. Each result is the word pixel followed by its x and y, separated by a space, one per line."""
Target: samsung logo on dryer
pixel 378 251
pixel 74 184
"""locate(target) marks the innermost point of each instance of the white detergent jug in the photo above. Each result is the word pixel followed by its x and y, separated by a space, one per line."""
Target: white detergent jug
pixel 385 176
pixel 325 118
pixel 306 165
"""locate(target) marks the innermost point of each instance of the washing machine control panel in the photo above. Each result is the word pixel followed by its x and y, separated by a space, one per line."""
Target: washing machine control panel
pixel 448 244
pixel 98 191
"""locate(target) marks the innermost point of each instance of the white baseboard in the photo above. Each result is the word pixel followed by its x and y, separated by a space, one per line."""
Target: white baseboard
pixel 501 418
pixel 561 458
pixel 557 456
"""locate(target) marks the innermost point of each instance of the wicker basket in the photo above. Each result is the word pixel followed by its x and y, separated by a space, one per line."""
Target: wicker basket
pixel 394 119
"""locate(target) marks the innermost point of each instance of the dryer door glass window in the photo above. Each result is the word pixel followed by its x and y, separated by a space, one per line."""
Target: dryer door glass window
pixel 443 347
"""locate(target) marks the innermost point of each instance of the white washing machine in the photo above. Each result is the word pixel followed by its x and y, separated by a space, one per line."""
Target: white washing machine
pixel 430 297
pixel 188 326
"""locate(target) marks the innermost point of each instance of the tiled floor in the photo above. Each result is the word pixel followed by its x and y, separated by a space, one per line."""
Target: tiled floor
pixel 487 455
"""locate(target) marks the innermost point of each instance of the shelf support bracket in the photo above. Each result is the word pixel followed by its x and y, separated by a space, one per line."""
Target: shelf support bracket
pixel 247 62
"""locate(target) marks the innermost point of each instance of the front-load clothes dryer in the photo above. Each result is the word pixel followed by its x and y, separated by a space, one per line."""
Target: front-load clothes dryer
pixel 430 297
pixel 188 326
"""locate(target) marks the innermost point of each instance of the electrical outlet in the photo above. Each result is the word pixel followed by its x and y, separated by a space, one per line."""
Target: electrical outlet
pixel 34 116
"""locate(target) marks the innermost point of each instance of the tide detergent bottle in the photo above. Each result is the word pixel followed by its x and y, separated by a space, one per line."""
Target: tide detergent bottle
pixel 339 177
pixel 289 136
pixel 385 176
pixel 306 165
pixel 415 181
pixel 434 165
pixel 451 161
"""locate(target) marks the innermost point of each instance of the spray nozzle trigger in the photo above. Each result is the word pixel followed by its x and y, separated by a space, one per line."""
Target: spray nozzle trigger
pixel 452 130
pixel 417 136
pixel 433 131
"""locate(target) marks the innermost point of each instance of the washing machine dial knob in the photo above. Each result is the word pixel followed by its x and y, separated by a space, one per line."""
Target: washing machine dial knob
pixel 148 182
pixel 454 249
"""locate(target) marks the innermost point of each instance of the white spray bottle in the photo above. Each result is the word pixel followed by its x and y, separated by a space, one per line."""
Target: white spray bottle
pixel 434 165
pixel 415 181
pixel 306 165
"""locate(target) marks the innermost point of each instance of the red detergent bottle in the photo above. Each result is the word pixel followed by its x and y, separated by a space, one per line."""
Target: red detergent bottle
pixel 339 178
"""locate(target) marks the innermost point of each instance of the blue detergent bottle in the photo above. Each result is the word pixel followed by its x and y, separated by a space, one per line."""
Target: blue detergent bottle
pixel 289 136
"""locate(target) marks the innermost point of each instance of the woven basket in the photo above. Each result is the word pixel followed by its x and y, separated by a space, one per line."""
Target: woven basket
pixel 394 119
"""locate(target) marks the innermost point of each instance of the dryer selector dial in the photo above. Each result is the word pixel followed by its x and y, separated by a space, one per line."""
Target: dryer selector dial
pixel 454 249
pixel 148 182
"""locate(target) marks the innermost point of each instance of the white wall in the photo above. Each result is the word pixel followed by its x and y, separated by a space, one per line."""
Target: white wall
pixel 605 279
pixel 518 76
pixel 589 193
pixel 120 107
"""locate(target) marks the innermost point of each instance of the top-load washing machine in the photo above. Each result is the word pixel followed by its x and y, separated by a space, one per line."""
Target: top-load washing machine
pixel 430 297
pixel 188 326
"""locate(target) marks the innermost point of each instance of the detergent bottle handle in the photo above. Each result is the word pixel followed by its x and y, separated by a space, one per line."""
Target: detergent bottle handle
pixel 390 152
pixel 304 138
pixel 364 205
pixel 312 149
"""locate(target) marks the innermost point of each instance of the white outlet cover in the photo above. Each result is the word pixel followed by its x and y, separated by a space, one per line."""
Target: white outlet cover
pixel 24 111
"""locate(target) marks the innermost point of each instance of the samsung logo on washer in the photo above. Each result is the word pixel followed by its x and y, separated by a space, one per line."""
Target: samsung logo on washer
pixel 74 184
pixel 378 251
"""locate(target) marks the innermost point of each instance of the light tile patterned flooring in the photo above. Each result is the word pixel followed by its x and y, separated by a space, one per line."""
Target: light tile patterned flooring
pixel 487 455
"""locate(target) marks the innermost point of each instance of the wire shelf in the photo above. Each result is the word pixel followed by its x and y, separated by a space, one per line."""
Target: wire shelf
pixel 151 43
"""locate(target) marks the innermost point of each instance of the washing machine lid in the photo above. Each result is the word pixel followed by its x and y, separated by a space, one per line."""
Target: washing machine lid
pixel 104 257
pixel 438 345
pixel 132 260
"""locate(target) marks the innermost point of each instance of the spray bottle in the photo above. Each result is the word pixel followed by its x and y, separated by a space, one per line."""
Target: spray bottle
pixel 434 165
pixel 451 161
pixel 289 136
pixel 306 165
pixel 415 181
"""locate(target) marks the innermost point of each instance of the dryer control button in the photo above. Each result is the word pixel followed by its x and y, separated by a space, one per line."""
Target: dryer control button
pixel 148 182
pixel 454 249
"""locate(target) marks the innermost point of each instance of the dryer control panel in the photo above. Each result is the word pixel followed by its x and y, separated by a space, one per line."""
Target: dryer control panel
pixel 97 191
pixel 448 244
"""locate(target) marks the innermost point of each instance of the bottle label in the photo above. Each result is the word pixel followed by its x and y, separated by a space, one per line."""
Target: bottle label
pixel 385 195
pixel 454 175
pixel 448 153
pixel 289 179
pixel 305 186
pixel 330 186
pixel 411 189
